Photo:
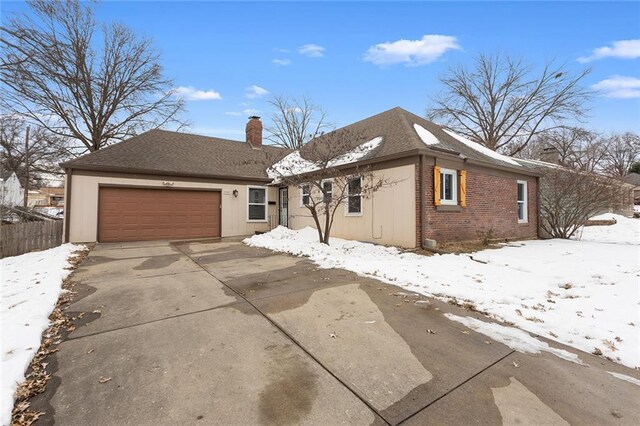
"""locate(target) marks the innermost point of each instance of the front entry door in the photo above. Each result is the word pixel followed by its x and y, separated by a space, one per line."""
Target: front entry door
pixel 283 194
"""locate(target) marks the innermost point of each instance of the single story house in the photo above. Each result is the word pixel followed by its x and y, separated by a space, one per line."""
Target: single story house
pixel 168 185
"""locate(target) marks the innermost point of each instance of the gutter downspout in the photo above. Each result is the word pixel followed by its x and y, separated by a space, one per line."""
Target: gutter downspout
pixel 538 189
pixel 67 205
pixel 421 189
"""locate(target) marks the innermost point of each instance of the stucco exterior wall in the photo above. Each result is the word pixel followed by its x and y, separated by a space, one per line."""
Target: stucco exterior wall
pixel 388 215
pixel 83 205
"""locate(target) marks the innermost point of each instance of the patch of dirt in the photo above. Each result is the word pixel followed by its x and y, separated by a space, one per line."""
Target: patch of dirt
pixel 459 247
pixel 37 377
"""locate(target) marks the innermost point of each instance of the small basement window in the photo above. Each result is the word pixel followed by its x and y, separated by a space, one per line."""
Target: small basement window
pixel 522 202
pixel 257 204
pixel 448 187
pixel 354 197
pixel 305 195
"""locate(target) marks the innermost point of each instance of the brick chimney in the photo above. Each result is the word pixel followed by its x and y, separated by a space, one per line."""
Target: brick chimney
pixel 254 132
pixel 550 154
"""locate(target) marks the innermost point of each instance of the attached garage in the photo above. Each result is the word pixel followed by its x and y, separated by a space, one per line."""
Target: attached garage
pixel 163 185
pixel 136 214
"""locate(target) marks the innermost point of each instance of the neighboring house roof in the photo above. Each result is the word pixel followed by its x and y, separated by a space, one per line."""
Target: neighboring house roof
pixel 7 175
pixel 173 153
pixel 632 178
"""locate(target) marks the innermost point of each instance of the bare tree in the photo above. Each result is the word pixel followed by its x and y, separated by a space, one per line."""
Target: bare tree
pixel 503 103
pixel 568 198
pixel 569 145
pixel 295 121
pixel 622 151
pixel 324 170
pixel 54 73
pixel 46 150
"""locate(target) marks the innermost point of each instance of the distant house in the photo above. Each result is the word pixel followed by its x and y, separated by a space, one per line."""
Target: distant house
pixel 549 163
pixel 46 197
pixel 11 192
pixel 169 185
pixel 634 180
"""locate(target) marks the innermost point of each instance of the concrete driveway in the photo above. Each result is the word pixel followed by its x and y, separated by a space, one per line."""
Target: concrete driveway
pixel 221 333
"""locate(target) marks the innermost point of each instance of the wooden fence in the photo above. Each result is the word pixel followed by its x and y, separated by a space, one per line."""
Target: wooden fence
pixel 20 238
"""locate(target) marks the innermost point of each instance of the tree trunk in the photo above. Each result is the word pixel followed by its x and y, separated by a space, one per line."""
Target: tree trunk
pixel 314 214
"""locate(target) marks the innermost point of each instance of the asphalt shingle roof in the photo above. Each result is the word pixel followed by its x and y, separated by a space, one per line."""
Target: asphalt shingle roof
pixel 632 178
pixel 168 152
pixel 396 126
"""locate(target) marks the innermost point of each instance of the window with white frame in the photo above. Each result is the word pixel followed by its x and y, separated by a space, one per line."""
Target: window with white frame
pixel 327 191
pixel 354 196
pixel 256 203
pixel 305 195
pixel 448 186
pixel 522 201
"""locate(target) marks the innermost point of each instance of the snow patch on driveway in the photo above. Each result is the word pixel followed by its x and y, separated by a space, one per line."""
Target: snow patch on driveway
pixel 31 285
pixel 625 378
pixel 581 293
pixel 517 340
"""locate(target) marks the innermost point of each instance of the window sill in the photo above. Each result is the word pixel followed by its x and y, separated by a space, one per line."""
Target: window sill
pixel 353 214
pixel 448 208
pixel 257 221
pixel 523 222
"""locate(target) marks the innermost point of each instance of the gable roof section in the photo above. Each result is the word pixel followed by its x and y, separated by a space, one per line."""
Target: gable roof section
pixel 174 153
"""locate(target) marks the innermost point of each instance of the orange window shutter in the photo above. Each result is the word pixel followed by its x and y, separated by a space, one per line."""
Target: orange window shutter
pixel 463 188
pixel 436 185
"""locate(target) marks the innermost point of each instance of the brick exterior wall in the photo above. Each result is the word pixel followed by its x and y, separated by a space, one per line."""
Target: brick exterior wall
pixel 491 205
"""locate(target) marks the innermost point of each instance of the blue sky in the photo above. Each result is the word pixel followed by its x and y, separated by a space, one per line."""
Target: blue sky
pixel 230 54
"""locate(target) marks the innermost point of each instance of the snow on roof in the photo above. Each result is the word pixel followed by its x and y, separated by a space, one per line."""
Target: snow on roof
pixel 427 137
pixel 540 163
pixel 358 153
pixel 483 149
pixel 291 164
pixel 295 164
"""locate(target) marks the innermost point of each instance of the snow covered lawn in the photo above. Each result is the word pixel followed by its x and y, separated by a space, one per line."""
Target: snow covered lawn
pixel 583 293
pixel 31 284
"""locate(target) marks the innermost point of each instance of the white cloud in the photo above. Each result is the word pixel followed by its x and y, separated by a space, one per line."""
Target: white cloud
pixel 191 94
pixel 312 50
pixel 411 52
pixel 254 91
pixel 248 111
pixel 618 86
pixel 282 62
pixel 625 49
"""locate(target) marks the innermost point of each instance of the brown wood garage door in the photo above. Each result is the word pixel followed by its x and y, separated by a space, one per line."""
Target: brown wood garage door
pixel 136 214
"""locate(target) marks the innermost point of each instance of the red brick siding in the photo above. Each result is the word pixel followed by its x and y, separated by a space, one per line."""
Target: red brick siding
pixel 491 205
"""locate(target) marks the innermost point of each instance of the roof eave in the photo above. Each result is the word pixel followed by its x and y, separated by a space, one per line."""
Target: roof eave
pixel 433 151
pixel 130 170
